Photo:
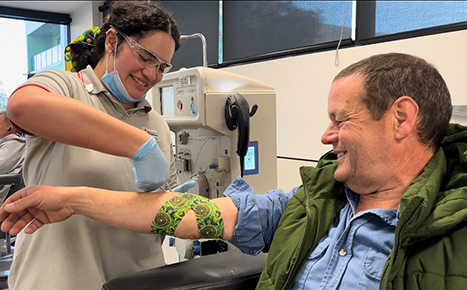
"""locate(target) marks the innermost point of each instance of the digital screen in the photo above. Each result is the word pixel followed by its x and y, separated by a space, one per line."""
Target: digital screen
pixel 167 101
pixel 251 164
pixel 250 159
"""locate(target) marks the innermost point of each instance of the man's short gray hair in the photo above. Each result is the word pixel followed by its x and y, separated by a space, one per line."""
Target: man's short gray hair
pixel 393 75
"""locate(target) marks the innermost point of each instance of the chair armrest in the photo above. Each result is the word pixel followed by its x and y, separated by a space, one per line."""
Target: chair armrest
pixel 10 178
pixel 227 270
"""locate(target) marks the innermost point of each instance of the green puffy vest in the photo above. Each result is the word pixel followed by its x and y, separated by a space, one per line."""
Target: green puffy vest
pixel 430 249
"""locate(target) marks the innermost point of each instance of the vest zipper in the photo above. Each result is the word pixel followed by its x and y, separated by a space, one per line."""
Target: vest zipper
pixel 399 239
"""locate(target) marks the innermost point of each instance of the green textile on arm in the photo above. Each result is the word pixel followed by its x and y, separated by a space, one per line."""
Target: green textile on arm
pixel 208 216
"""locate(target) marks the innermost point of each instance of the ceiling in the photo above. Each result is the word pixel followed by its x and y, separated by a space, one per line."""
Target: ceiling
pixel 64 7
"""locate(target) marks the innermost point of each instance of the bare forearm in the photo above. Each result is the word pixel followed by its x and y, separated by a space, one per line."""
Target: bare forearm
pixel 128 210
pixel 70 121
pixel 135 211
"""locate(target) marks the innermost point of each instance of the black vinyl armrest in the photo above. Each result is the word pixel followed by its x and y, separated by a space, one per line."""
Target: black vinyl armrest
pixel 227 270
pixel 11 178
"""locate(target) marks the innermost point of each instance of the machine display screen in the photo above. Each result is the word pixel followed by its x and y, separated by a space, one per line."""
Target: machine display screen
pixel 167 101
pixel 251 165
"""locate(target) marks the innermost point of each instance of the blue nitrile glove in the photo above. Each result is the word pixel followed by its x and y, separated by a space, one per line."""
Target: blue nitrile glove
pixel 185 186
pixel 151 168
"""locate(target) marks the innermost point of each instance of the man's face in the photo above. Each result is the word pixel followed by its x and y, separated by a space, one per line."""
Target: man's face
pixel 362 144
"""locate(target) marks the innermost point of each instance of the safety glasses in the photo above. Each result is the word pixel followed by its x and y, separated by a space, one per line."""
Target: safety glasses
pixel 145 56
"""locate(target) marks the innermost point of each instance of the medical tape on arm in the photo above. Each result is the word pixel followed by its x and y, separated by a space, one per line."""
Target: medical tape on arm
pixel 208 216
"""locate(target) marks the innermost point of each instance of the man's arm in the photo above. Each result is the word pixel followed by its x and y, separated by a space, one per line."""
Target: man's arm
pixel 39 205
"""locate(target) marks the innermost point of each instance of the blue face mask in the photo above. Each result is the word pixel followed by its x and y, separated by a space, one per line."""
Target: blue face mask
pixel 115 85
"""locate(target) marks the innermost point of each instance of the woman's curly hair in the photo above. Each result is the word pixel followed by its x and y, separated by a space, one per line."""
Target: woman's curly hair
pixel 133 18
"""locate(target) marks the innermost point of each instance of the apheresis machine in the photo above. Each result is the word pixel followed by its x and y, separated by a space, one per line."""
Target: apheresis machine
pixel 224 125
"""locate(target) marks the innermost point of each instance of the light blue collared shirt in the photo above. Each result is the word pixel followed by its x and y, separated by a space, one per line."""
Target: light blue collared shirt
pixel 350 256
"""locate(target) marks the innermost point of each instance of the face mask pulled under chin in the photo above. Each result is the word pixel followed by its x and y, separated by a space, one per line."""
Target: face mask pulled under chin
pixel 115 85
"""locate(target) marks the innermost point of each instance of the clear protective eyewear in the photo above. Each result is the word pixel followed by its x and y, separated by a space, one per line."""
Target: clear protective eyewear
pixel 145 56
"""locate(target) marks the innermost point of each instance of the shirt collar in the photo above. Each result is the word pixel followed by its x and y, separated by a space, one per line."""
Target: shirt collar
pixel 91 82
pixel 352 198
pixel 390 216
pixel 94 86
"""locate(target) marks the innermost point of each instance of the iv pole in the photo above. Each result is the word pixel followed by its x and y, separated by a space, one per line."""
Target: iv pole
pixel 203 40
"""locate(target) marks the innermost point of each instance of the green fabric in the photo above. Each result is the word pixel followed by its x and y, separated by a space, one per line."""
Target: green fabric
pixel 170 215
pixel 208 216
pixel 429 251
pixel 86 37
pixel 290 248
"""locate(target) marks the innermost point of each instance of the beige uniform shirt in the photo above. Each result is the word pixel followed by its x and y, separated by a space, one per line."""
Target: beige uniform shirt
pixel 81 253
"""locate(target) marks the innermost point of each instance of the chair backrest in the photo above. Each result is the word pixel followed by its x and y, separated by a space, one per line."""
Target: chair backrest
pixel 16 181
pixel 17 184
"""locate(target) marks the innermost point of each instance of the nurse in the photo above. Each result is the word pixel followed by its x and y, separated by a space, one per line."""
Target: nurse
pixel 93 127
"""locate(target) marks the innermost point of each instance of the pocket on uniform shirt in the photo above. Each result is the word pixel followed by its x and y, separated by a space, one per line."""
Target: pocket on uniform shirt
pixel 374 263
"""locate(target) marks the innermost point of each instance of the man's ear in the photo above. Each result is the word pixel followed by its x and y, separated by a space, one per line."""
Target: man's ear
pixel 111 39
pixel 405 111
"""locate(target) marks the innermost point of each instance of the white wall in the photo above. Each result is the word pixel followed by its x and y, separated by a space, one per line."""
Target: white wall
pixel 85 17
pixel 81 20
pixel 302 84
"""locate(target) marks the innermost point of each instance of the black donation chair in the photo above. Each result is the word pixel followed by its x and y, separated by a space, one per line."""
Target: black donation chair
pixel 15 181
pixel 231 270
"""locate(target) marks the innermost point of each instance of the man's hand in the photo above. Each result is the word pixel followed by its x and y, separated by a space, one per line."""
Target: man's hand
pixel 33 207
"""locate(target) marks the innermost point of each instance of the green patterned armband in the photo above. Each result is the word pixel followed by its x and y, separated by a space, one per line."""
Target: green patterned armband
pixel 208 216
pixel 169 215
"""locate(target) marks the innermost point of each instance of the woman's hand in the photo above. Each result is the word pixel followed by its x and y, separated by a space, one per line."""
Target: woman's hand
pixel 33 207
pixel 151 168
